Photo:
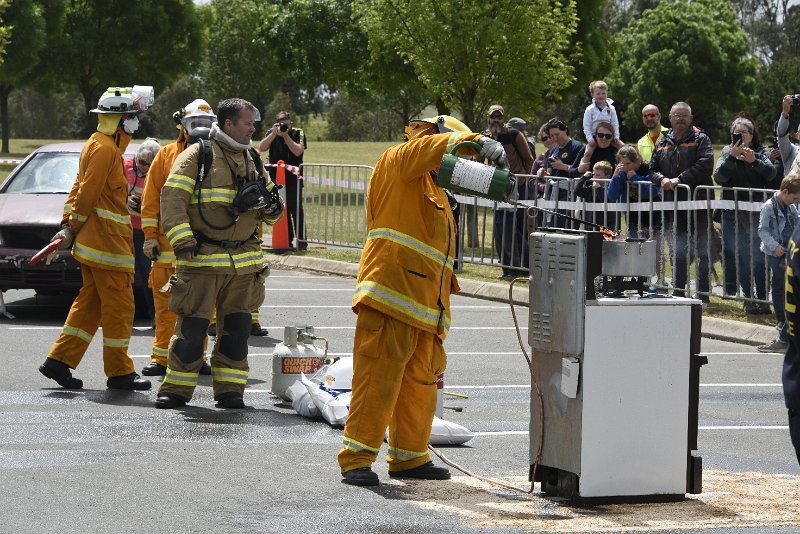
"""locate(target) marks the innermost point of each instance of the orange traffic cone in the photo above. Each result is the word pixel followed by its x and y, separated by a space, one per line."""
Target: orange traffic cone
pixel 280 231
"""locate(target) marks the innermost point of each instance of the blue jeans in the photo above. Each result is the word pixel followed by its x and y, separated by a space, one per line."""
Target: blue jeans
pixel 778 268
pixel 740 242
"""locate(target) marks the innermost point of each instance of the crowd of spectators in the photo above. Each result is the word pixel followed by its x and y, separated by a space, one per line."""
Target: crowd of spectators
pixel 666 163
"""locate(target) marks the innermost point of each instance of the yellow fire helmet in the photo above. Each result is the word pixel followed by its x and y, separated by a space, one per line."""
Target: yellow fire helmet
pixel 442 123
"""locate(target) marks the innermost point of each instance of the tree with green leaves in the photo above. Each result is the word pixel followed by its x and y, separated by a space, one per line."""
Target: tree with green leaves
pixel 243 57
pixel 28 22
pixel 685 51
pixel 4 30
pixel 472 53
pixel 117 42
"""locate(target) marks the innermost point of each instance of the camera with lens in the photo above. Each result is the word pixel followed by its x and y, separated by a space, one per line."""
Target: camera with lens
pixel 796 100
pixel 285 127
pixel 135 204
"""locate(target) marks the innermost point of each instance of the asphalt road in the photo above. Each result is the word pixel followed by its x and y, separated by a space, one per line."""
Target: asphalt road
pixel 103 461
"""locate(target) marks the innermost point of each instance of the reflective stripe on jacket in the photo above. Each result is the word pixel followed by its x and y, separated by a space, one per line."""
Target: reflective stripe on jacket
pixel 181 201
pixel 151 199
pixel 97 205
pixel 406 268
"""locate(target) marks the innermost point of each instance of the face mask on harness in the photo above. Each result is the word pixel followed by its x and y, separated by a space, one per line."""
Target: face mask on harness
pixel 257 194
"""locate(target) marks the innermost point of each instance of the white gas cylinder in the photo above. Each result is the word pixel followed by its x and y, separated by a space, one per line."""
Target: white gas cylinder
pixel 297 354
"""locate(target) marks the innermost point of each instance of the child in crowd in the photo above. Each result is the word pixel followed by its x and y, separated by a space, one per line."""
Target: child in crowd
pixel 779 216
pixel 601 109
pixel 631 168
pixel 591 188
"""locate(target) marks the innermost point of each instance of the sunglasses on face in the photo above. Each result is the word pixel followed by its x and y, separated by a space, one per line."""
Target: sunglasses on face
pixel 545 138
pixel 603 136
pixel 646 115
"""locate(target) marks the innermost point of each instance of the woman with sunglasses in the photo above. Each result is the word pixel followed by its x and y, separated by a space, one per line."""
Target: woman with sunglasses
pixel 587 189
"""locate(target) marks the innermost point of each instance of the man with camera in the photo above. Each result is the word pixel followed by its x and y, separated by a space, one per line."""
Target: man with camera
pixel 288 144
pixel 210 212
pixel 789 150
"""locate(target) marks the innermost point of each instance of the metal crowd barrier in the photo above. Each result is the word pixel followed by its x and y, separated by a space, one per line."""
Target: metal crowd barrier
pixel 495 233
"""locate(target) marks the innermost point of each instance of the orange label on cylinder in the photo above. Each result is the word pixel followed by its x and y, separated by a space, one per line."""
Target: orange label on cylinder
pixel 295 366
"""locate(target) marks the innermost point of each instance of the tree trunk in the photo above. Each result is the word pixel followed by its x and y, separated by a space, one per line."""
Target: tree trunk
pixel 441 107
pixel 5 90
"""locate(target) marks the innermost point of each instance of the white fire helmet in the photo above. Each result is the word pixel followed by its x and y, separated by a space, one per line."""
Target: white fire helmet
pixel 340 375
pixel 125 100
pixel 198 114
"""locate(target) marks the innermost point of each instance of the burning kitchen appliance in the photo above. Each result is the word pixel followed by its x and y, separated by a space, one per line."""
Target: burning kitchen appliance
pixel 619 374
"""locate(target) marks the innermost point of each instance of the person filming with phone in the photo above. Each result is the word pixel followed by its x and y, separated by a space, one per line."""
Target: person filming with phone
pixel 744 163
pixel 789 150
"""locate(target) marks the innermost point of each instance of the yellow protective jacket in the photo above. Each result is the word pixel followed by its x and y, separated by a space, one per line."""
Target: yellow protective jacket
pixel 406 268
pixel 181 201
pixel 151 199
pixel 97 208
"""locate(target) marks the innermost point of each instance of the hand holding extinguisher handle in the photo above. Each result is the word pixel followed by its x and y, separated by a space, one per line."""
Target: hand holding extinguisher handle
pixel 46 251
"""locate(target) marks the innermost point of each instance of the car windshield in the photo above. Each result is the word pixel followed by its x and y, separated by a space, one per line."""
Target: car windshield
pixel 46 172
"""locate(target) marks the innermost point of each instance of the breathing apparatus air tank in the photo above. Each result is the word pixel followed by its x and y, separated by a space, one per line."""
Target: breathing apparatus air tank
pixel 472 178
pixel 296 354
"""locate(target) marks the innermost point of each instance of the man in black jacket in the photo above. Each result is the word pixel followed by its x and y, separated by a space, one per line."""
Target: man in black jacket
pixel 685 156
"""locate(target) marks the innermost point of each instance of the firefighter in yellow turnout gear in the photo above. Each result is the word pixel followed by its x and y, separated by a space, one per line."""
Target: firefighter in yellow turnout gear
pixel 210 221
pixel 194 121
pixel 97 227
pixel 402 299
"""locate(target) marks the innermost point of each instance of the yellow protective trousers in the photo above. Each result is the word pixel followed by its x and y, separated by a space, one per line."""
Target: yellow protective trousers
pixel 107 297
pixel 395 367
pixel 194 296
pixel 165 319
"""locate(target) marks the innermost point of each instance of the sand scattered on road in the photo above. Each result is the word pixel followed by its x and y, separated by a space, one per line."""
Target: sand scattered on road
pixel 729 500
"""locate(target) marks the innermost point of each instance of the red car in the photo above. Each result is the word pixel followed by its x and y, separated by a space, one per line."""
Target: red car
pixel 31 206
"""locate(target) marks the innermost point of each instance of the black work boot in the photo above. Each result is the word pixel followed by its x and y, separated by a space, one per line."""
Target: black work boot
pixel 426 471
pixel 128 382
pixel 257 330
pixel 230 400
pixel 59 371
pixel 154 369
pixel 167 401
pixel 362 476
pixel 205 369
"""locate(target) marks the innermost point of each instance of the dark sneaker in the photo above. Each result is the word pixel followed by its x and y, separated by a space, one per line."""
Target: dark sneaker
pixel 230 401
pixel 363 476
pixel 258 330
pixel 60 372
pixel 154 369
pixel 205 369
pixel 129 382
pixel 168 401
pixel 775 345
pixel 425 472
